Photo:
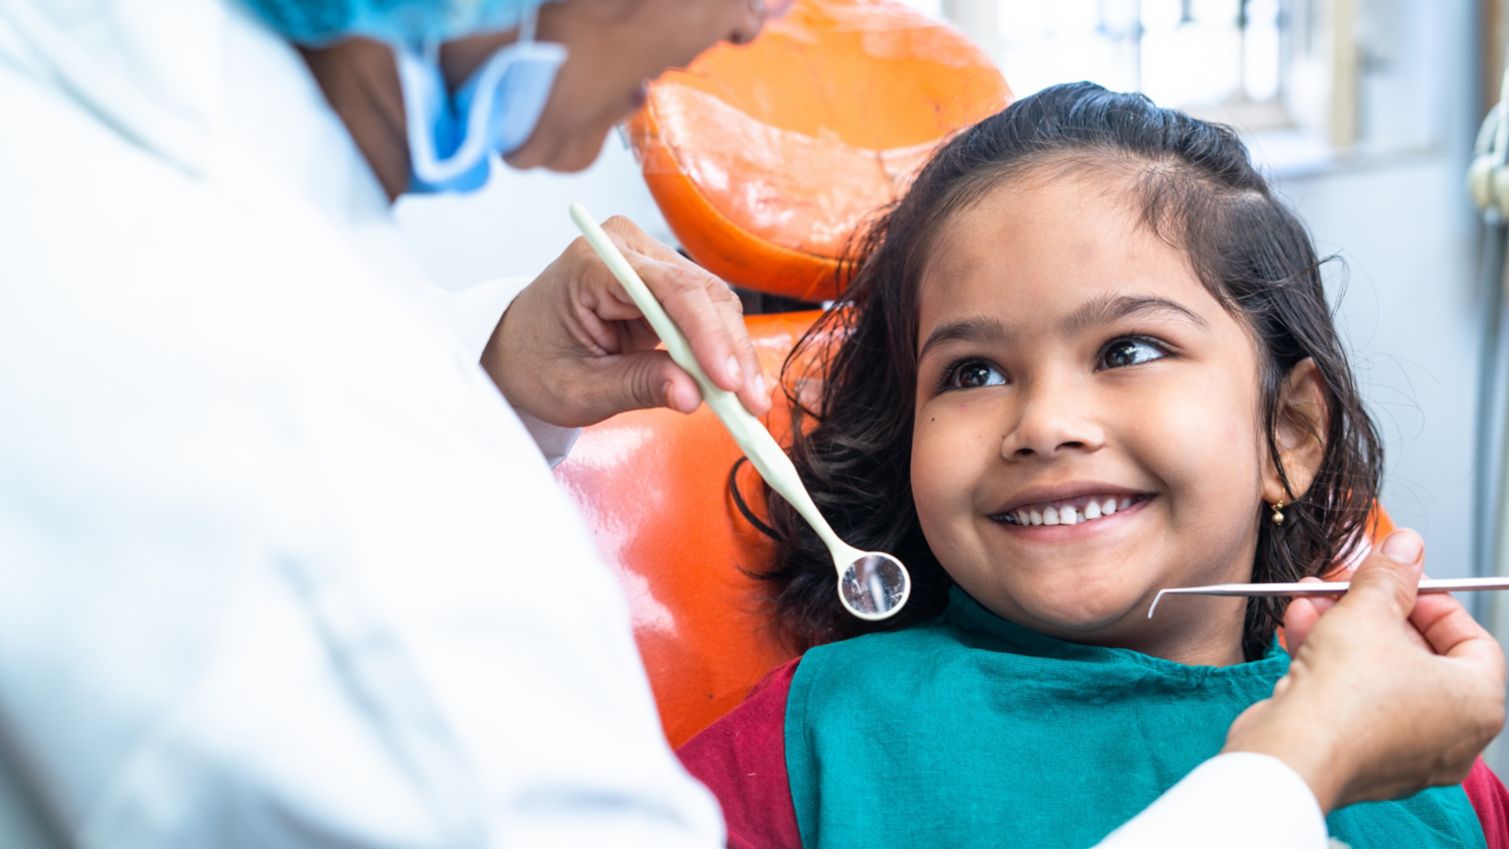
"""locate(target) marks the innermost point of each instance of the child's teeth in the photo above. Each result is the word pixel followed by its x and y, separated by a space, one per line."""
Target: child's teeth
pixel 1070 513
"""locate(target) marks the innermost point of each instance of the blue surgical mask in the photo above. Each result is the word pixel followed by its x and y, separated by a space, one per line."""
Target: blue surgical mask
pixel 452 137
pixel 320 22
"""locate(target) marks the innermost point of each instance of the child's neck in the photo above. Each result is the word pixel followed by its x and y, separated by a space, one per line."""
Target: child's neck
pixel 1204 652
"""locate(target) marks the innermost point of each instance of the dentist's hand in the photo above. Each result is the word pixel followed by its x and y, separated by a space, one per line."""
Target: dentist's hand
pixel 572 349
pixel 1385 696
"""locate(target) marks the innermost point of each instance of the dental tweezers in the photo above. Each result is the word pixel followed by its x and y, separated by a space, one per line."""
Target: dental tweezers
pixel 1443 585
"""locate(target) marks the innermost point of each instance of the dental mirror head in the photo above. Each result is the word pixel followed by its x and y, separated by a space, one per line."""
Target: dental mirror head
pixel 872 585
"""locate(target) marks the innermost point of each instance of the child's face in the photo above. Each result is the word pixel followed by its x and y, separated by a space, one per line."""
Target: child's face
pixel 1072 363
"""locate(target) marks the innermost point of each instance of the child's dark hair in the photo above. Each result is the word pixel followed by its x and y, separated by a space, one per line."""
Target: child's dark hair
pixel 1196 188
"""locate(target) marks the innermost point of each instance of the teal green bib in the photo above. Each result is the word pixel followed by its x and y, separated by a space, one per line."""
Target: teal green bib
pixel 972 731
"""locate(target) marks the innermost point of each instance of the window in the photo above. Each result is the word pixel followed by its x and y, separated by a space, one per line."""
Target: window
pixel 1259 65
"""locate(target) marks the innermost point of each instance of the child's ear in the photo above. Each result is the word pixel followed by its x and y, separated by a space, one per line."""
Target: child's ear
pixel 1300 431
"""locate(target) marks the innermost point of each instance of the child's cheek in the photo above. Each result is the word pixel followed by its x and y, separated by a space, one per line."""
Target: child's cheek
pixel 1208 429
pixel 944 448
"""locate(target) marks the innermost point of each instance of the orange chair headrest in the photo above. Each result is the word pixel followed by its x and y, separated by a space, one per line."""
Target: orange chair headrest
pixel 767 158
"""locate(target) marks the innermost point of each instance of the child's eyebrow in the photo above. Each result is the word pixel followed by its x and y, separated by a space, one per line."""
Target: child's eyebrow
pixel 976 329
pixel 1109 308
pixel 1102 310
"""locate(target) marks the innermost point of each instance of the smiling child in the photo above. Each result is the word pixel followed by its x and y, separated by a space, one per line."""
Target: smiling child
pixel 1086 357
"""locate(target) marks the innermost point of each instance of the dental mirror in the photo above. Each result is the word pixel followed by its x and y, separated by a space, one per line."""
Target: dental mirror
pixel 872 585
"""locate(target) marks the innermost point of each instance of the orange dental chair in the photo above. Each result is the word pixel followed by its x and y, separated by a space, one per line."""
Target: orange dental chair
pixel 765 160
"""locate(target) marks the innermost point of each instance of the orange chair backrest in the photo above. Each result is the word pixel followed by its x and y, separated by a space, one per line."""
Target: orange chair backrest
pixel 766 158
pixel 653 487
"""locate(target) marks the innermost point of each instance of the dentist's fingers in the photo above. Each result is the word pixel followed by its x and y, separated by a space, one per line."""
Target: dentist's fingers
pixel 1394 587
pixel 1302 614
pixel 705 309
pixel 566 349
pixel 651 379
pixel 1448 629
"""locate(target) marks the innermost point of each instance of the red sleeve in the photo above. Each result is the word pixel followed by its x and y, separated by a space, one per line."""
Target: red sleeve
pixel 1491 801
pixel 742 759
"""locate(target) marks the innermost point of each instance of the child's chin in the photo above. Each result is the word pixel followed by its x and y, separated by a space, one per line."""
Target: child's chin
pixel 1071 607
pixel 1085 620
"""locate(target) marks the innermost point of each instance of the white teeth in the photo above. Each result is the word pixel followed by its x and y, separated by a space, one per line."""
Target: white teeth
pixel 1069 511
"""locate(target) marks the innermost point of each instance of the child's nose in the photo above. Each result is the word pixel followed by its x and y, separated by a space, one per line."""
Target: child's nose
pixel 1051 421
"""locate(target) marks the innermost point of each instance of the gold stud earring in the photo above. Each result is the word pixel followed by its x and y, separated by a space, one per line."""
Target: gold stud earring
pixel 1278 512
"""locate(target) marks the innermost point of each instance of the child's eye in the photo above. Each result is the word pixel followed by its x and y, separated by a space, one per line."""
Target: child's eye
pixel 972 374
pixel 1131 351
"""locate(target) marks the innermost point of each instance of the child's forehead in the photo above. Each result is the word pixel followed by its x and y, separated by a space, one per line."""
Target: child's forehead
pixel 1033 236
pixel 1050 202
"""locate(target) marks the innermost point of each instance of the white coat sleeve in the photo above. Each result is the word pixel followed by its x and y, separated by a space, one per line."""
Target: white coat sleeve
pixel 369 620
pixel 1239 800
pixel 476 311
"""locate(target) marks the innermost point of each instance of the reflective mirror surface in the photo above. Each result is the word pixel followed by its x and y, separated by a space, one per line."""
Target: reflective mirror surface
pixel 874 586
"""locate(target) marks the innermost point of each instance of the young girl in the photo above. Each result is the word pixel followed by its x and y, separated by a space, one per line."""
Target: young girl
pixel 1088 356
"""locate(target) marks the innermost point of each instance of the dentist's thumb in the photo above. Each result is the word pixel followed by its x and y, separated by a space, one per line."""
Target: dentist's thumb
pixel 1390 578
pixel 1392 570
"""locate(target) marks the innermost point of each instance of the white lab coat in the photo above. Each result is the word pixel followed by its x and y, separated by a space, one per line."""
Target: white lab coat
pixel 278 566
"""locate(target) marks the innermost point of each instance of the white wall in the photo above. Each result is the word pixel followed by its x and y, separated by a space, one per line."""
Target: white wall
pixel 518 223
pixel 1408 312
pixel 1401 221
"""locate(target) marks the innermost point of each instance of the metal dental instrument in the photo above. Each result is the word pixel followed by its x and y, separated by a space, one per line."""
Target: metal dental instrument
pixel 1441 585
pixel 872 585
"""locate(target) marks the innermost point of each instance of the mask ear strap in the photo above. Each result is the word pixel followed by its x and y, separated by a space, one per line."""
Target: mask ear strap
pixel 425 93
pixel 476 143
pixel 526 26
pixel 423 96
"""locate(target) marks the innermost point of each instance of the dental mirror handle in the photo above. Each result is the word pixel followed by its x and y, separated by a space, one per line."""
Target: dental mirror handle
pixel 764 453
